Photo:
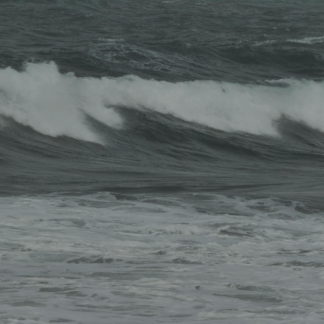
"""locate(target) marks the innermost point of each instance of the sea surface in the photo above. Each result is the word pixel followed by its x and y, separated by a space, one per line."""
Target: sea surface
pixel 162 161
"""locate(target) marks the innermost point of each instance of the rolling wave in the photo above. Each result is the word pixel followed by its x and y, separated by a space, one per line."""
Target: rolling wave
pixel 57 104
pixel 82 134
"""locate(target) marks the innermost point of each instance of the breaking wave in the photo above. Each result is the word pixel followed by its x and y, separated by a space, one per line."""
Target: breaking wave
pixel 308 40
pixel 58 104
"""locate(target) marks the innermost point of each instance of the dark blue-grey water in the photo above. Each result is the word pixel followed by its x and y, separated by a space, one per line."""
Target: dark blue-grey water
pixel 161 161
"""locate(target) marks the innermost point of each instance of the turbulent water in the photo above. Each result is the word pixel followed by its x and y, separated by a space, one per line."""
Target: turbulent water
pixel 161 161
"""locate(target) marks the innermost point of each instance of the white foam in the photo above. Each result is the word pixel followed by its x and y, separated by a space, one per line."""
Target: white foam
pixel 54 104
pixel 266 42
pixel 304 40
pixel 308 40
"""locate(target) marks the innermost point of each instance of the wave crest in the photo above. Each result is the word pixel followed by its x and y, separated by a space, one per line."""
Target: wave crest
pixel 55 104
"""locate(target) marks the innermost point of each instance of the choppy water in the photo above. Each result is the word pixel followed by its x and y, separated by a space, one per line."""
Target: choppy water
pixel 161 161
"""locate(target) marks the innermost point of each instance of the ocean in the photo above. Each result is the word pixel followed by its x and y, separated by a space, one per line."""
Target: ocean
pixel 161 161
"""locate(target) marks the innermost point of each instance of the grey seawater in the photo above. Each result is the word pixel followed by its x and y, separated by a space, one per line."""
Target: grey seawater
pixel 161 258
pixel 180 258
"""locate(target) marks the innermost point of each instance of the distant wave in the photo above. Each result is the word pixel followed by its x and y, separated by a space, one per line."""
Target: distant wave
pixel 57 104
pixel 304 40
pixel 308 40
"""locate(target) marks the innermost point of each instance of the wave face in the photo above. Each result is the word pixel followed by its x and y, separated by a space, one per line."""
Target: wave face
pixel 129 133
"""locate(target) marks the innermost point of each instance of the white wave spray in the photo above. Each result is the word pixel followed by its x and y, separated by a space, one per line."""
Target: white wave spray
pixel 54 104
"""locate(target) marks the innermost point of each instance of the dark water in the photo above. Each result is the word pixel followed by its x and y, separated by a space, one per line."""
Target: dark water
pixel 148 117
